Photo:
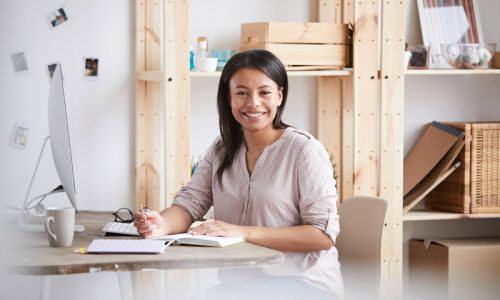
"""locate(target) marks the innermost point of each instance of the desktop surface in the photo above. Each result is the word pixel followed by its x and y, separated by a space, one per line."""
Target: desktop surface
pixel 31 254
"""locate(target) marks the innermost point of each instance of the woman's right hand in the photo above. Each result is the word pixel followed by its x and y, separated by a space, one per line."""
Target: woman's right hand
pixel 149 224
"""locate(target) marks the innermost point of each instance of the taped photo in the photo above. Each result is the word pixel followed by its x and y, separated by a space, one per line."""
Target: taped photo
pixel 20 135
pixel 57 17
pixel 91 68
pixel 20 62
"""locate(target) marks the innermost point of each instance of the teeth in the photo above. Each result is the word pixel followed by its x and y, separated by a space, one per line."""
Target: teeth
pixel 254 115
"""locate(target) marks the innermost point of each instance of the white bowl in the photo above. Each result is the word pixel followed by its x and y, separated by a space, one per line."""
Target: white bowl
pixel 206 64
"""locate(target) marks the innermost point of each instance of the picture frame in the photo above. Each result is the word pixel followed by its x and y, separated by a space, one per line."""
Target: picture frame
pixel 448 22
pixel 20 134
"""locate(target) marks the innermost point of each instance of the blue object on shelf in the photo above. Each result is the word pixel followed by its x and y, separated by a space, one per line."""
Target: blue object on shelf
pixel 191 59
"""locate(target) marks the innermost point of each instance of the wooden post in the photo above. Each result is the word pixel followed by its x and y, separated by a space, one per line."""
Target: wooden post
pixel 347 173
pixel 147 105
pixel 328 118
pixel 176 57
pixel 366 106
pixel 391 144
pixel 329 99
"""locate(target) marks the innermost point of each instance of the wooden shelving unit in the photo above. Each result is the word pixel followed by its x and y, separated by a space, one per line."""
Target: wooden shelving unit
pixel 359 111
pixel 339 73
pixel 453 72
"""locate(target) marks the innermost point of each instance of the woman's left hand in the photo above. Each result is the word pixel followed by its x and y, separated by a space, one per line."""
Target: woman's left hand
pixel 220 228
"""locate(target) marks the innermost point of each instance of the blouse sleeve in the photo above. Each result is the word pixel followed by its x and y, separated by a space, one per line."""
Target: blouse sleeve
pixel 196 196
pixel 318 194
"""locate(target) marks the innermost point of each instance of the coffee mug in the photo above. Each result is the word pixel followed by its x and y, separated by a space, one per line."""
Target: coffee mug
pixel 60 226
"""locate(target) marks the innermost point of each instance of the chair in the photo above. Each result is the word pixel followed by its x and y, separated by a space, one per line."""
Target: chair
pixel 359 244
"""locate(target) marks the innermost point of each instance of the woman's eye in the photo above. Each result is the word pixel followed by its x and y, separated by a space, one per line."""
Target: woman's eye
pixel 241 93
pixel 265 93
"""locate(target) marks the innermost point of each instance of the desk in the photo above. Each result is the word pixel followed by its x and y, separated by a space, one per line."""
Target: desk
pixel 32 254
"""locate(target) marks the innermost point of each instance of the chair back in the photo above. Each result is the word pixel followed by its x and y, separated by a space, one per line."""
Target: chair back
pixel 359 243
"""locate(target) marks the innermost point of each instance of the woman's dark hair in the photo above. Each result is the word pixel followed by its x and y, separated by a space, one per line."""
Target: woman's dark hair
pixel 230 129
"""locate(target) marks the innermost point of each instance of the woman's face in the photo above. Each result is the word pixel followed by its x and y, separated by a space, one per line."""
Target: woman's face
pixel 254 99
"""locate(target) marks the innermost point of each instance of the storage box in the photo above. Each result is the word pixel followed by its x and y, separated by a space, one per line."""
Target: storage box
pixel 455 268
pixel 475 186
pixel 299 44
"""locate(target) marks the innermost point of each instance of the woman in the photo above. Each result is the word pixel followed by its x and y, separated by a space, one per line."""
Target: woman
pixel 268 182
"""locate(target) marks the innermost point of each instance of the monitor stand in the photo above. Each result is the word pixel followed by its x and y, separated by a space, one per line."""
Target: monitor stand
pixel 30 223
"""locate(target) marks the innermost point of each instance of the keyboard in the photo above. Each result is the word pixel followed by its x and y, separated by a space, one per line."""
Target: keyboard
pixel 117 228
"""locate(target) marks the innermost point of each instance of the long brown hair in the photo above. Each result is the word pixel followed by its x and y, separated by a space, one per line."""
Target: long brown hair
pixel 230 129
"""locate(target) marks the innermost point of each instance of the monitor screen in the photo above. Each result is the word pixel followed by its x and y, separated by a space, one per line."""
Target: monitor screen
pixel 59 136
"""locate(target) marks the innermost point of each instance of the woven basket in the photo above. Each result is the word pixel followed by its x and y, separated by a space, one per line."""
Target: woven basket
pixel 475 186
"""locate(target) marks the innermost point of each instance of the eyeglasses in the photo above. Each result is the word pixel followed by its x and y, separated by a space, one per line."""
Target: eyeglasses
pixel 124 215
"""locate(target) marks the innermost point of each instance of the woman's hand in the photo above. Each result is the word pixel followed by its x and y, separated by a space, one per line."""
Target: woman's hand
pixel 149 224
pixel 219 228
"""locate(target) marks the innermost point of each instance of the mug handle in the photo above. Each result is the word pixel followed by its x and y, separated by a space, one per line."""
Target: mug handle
pixel 47 227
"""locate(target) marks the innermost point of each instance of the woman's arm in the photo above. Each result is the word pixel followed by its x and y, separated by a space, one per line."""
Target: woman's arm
pixel 171 220
pixel 302 238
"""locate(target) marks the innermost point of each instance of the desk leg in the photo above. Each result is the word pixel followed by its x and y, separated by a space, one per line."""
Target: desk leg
pixel 45 288
pixel 125 285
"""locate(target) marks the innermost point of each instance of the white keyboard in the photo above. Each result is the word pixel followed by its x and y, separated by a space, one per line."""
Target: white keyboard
pixel 114 228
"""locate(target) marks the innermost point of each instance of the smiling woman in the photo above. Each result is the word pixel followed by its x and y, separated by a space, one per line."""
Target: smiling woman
pixel 268 183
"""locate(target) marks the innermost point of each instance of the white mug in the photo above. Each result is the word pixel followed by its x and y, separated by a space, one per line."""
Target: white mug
pixel 60 226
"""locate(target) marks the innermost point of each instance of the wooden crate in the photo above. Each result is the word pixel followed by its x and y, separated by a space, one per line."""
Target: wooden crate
pixel 475 186
pixel 299 44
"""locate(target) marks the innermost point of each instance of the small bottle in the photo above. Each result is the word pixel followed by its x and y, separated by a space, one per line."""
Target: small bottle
pixel 202 46
pixel 191 59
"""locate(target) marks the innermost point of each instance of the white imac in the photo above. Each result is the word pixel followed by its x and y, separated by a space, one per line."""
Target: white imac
pixel 33 209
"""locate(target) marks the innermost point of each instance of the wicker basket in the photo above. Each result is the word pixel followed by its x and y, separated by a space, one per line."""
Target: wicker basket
pixel 475 186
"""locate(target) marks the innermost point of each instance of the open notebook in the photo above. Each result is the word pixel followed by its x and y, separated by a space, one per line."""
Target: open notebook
pixel 158 245
pixel 201 240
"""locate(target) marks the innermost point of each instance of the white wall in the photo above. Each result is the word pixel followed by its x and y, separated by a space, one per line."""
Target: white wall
pixel 100 112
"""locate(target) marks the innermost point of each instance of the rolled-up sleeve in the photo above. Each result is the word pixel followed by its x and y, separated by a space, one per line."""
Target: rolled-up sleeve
pixel 196 196
pixel 318 194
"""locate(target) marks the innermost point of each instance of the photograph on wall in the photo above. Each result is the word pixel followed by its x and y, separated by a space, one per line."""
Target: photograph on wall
pixel 57 17
pixel 20 135
pixel 51 69
pixel 448 23
pixel 91 67
pixel 20 62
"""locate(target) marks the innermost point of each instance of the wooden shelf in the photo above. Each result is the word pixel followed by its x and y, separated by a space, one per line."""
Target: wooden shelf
pixel 453 72
pixel 339 73
pixel 429 215
pixel 159 76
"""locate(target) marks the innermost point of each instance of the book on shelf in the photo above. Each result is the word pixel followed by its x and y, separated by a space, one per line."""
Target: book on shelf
pixel 430 161
pixel 436 140
pixel 201 240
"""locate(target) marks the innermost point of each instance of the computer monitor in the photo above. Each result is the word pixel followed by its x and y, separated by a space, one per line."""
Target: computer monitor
pixel 59 136
pixel 61 154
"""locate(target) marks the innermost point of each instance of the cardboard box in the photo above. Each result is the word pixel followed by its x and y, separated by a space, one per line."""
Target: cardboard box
pixel 455 268
pixel 299 44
